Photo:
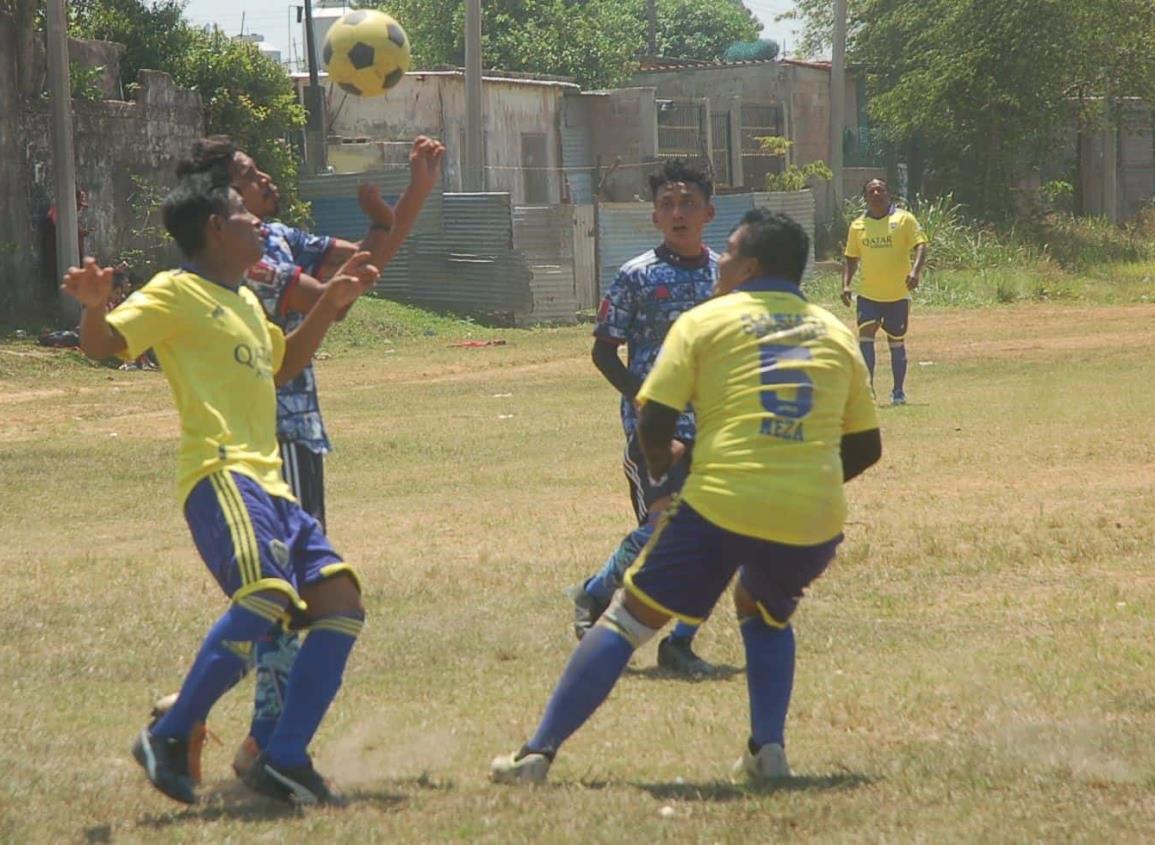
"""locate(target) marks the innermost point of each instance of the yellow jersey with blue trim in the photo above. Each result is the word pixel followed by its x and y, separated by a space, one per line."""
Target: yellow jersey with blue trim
pixel 882 246
pixel 219 353
pixel 776 382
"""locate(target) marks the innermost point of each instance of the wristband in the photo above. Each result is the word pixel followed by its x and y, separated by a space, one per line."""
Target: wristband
pixel 385 227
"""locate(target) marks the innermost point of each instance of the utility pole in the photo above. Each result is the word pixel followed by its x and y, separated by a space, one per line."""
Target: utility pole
pixel 63 149
pixel 838 99
pixel 473 165
pixel 315 151
pixel 652 26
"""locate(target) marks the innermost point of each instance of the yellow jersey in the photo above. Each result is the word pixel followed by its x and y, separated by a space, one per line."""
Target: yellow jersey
pixel 883 245
pixel 219 353
pixel 775 382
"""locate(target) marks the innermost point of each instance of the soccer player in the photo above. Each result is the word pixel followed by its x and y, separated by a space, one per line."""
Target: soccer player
pixel 645 298
pixel 288 280
pixel 785 418
pixel 881 241
pixel 223 358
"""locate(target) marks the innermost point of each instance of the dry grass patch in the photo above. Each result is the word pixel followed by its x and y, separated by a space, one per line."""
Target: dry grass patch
pixel 976 667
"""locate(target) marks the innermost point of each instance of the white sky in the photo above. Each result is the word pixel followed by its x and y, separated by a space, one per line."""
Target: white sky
pixel 276 20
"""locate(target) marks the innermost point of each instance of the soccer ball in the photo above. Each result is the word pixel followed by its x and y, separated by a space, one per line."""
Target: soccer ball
pixel 366 52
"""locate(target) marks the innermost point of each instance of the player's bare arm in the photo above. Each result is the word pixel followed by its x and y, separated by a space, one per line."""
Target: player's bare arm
pixel 355 277
pixel 91 286
pixel 389 227
pixel 915 276
pixel 860 451
pixel 656 428
pixel 848 270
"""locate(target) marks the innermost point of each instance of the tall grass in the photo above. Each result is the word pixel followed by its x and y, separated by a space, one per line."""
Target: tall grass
pixel 1084 243
pixel 960 241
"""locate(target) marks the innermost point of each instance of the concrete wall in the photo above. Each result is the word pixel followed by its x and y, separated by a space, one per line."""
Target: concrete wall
pixel 624 125
pixel 1118 167
pixel 101 54
pixel 125 156
pixel 802 88
pixel 433 103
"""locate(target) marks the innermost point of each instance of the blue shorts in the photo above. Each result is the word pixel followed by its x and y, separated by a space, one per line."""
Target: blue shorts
pixel 892 316
pixel 689 561
pixel 252 541
pixel 643 494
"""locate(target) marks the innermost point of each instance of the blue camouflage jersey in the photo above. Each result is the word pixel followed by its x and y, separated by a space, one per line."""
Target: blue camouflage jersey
pixel 647 295
pixel 288 253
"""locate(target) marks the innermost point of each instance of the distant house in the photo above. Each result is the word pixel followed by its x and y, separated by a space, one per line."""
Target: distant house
pixel 735 102
pixel 522 132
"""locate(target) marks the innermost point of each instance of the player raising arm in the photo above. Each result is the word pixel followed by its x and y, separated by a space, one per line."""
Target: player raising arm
pixel 785 418
pixel 288 279
pixel 222 359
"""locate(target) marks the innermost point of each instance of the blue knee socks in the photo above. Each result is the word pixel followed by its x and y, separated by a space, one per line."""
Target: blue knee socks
pixel 591 673
pixel 313 683
pixel 274 655
pixel 609 577
pixel 769 678
pixel 867 347
pixel 221 662
pixel 898 365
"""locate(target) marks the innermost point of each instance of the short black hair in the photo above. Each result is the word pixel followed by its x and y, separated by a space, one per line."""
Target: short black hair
pixel 211 153
pixel 867 183
pixel 779 244
pixel 680 170
pixel 188 207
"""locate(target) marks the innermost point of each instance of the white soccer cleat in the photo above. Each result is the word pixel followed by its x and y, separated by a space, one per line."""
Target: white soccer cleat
pixel 532 768
pixel 768 765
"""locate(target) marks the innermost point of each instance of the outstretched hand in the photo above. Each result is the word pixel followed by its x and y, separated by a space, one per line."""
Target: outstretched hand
pixel 373 205
pixel 90 285
pixel 425 163
pixel 353 278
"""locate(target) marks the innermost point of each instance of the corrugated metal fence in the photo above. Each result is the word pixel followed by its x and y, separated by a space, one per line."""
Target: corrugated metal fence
pixel 477 254
pixel 460 256
pixel 544 235
pixel 626 229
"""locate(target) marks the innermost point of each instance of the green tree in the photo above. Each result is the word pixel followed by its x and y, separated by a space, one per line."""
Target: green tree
pixel 245 94
pixel 597 42
pixel 986 89
pixel 155 34
pixel 701 29
pixel 27 17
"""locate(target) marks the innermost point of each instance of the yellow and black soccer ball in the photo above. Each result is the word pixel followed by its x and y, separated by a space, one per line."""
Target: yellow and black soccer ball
pixel 366 52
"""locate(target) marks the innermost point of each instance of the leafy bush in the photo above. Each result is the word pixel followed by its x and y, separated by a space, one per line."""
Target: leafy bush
pixel 85 81
pixel 792 178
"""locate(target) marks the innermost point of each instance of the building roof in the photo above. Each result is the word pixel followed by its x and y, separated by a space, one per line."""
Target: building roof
pixel 512 77
pixel 662 64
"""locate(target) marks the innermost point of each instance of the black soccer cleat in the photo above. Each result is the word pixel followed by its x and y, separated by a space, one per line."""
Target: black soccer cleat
pixel 297 786
pixel 586 610
pixel 165 761
pixel 677 656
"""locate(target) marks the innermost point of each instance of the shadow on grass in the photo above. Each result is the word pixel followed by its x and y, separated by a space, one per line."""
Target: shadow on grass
pixel 235 803
pixel 722 672
pixel 721 791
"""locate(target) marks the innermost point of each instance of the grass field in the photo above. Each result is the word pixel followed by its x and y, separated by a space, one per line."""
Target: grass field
pixel 978 665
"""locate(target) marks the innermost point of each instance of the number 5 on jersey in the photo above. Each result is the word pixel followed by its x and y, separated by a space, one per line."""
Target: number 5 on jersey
pixel 786 413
